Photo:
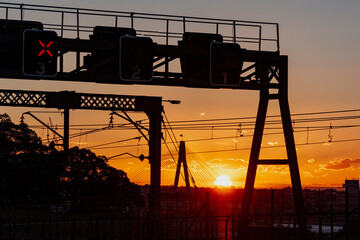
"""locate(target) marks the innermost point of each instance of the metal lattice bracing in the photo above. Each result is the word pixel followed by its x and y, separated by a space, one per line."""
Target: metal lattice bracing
pixel 107 102
pixel 19 98
pixel 72 100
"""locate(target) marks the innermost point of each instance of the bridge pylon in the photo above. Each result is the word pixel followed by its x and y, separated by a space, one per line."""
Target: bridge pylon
pixel 182 161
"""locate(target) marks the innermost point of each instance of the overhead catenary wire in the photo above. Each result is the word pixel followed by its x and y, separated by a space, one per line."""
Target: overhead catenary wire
pixel 108 143
pixel 306 129
pixel 270 116
pixel 316 128
pixel 228 119
pixel 206 177
pixel 172 135
pixel 301 120
pixel 222 124
pixel 275 146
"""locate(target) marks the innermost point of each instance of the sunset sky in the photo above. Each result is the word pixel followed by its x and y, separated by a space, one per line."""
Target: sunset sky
pixel 322 40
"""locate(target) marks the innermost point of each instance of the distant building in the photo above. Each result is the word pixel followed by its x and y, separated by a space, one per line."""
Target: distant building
pixel 352 186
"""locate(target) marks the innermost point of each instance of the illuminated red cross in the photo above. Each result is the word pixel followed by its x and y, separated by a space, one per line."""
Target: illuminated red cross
pixel 47 50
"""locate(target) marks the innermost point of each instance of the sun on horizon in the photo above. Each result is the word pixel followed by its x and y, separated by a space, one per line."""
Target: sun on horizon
pixel 223 181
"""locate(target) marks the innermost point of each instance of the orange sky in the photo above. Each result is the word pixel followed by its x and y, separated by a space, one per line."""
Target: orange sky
pixel 321 40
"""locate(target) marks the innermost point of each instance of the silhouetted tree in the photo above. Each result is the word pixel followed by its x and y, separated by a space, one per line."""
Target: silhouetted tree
pixel 32 172
pixel 89 178
pixel 28 168
pixel 16 139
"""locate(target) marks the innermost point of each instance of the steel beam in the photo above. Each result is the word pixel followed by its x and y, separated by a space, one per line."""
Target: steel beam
pixel 73 100
pixel 253 161
pixel 66 131
pixel 291 149
pixel 273 162
pixel 155 137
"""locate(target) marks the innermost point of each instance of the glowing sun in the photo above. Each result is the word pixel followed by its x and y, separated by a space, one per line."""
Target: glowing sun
pixel 223 181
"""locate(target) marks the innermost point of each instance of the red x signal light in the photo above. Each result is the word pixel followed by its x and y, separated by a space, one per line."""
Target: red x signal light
pixel 40 53
pixel 45 47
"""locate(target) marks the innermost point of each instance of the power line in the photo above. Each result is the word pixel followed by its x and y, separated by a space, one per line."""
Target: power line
pixel 177 148
pixel 249 148
pixel 215 125
pixel 195 126
pixel 236 118
pixel 119 141
pixel 274 122
pixel 311 129
pixel 270 116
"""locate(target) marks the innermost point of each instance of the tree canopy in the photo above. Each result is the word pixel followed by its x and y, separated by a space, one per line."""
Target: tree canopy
pixel 32 172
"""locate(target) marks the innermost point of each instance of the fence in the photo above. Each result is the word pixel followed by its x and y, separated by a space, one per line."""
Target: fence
pixel 206 214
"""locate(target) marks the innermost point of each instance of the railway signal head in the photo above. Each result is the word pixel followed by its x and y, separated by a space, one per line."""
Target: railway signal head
pixel 226 62
pixel 40 51
pixel 136 59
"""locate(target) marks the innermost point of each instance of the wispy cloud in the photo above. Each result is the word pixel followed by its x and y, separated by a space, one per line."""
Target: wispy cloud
pixel 227 162
pixel 311 160
pixel 326 144
pixel 273 143
pixel 341 164
pixel 273 169
pixel 306 174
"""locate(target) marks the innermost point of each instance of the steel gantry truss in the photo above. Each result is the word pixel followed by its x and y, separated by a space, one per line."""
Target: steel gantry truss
pixel 176 62
pixel 84 44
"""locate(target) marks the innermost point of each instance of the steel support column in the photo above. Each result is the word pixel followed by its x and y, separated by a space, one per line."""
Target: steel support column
pixel 66 131
pixel 280 72
pixel 253 161
pixel 155 178
pixel 291 148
